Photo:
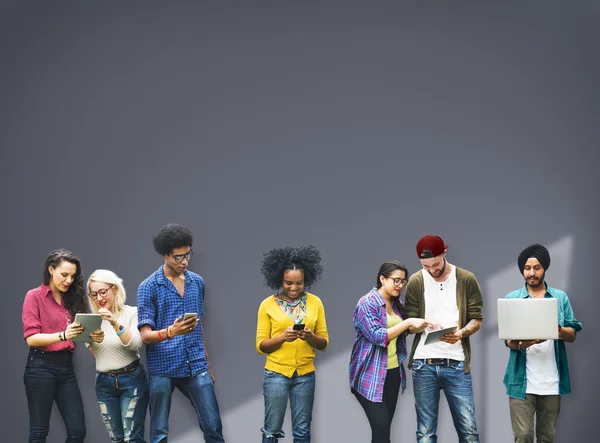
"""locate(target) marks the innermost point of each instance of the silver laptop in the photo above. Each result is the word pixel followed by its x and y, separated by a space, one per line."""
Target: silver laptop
pixel 528 318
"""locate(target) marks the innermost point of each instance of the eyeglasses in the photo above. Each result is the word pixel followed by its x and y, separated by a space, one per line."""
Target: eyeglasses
pixel 179 258
pixel 101 292
pixel 399 281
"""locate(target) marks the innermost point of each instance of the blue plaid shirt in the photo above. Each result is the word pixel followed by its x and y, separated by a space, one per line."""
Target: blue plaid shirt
pixel 369 358
pixel 159 304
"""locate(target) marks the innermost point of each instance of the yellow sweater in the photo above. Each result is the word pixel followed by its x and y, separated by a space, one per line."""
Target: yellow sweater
pixel 291 356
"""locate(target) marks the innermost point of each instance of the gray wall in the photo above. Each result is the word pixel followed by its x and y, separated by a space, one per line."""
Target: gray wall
pixel 354 128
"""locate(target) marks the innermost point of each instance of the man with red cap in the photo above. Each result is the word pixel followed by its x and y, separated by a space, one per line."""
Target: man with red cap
pixel 537 374
pixel 445 295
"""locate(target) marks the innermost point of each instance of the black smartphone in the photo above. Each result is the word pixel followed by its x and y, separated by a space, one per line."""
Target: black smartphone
pixel 298 327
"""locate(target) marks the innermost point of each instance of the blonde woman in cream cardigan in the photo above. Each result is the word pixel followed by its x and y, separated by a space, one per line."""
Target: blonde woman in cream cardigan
pixel 121 381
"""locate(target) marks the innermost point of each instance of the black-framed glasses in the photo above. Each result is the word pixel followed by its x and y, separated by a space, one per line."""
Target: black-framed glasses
pixel 399 281
pixel 101 292
pixel 179 258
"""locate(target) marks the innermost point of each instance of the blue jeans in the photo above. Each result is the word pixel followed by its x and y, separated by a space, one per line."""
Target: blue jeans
pixel 123 399
pixel 277 388
pixel 199 390
pixel 49 377
pixel 428 380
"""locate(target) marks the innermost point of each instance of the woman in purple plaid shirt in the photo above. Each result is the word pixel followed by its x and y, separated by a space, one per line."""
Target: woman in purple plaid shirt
pixel 376 370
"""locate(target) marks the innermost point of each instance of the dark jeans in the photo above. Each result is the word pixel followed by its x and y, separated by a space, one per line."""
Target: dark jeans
pixel 380 415
pixel 49 377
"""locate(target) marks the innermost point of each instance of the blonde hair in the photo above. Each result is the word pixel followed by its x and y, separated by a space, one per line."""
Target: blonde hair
pixel 110 278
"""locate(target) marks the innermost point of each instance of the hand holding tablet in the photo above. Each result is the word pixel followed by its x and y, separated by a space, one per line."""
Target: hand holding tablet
pixel 435 336
pixel 89 323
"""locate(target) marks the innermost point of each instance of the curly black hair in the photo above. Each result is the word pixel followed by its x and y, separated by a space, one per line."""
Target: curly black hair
pixel 172 236
pixel 279 260
pixel 386 270
pixel 75 298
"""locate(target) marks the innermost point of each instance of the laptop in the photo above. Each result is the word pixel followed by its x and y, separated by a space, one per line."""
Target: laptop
pixel 528 318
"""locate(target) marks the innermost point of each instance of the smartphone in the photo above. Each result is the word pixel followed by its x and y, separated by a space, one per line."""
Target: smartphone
pixel 189 315
pixel 298 327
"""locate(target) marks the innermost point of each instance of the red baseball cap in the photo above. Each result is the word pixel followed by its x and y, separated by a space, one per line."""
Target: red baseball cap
pixel 431 246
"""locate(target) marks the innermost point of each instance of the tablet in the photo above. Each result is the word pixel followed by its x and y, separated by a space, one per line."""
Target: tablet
pixel 90 323
pixel 434 336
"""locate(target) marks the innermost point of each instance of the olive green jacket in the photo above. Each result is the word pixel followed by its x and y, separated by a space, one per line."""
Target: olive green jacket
pixel 468 300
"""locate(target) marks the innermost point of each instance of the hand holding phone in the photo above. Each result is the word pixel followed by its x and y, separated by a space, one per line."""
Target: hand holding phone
pixel 185 325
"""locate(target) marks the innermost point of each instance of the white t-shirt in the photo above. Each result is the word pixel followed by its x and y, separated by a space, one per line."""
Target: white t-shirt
pixel 542 372
pixel 441 307
pixel 112 354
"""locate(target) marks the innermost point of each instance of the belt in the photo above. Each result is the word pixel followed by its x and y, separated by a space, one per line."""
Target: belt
pixel 129 368
pixel 51 355
pixel 441 361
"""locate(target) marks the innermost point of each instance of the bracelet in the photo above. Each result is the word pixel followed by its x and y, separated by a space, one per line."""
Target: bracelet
pixel 520 347
pixel 60 336
pixel 160 335
pixel 121 330
pixel 169 333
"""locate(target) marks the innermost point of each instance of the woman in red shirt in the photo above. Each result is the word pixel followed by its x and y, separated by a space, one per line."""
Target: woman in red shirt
pixel 48 313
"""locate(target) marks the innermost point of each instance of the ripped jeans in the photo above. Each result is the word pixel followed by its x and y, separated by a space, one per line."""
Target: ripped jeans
pixel 123 400
pixel 277 389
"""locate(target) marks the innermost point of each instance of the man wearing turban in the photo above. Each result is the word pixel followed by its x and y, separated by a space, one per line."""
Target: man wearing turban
pixel 445 295
pixel 537 374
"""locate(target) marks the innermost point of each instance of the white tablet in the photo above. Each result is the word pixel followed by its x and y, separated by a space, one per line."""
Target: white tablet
pixel 528 318
pixel 434 336
pixel 90 323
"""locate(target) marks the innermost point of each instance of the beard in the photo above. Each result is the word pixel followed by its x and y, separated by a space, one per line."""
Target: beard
pixel 441 270
pixel 536 282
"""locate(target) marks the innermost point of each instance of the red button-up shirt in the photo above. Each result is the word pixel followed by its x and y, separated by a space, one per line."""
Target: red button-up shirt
pixel 42 314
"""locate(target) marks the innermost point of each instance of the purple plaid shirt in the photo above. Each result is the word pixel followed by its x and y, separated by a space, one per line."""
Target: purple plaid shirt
pixel 369 358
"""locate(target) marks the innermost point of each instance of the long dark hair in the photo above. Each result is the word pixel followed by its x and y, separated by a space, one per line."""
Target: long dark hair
pixel 74 298
pixel 386 270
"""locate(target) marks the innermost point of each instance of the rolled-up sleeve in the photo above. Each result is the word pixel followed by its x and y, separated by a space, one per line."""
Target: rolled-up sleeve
pixel 474 300
pixel 569 317
pixel 135 342
pixel 32 323
pixel 146 305
pixel 367 319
